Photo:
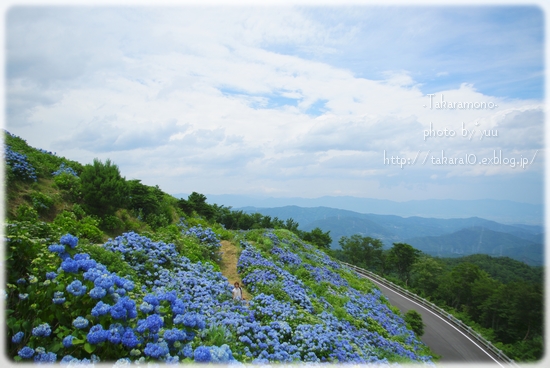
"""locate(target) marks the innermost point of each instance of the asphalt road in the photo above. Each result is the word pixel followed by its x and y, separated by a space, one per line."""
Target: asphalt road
pixel 444 339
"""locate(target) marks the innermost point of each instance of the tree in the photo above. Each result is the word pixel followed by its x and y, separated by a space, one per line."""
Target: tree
pixel 456 286
pixel 362 251
pixel 197 202
pixel 403 256
pixel 103 189
pixel 425 275
pixel 318 238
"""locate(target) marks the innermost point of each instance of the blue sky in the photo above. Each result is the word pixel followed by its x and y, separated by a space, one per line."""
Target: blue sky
pixel 287 101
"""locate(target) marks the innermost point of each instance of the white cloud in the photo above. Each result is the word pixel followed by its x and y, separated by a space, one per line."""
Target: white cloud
pixel 199 93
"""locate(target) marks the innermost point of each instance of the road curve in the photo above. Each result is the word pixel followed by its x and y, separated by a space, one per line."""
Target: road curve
pixel 444 339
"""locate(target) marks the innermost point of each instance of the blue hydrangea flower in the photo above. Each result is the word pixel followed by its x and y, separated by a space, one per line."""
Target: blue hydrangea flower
pixel 80 322
pixel 202 354
pixel 58 297
pixel 45 358
pixel 26 352
pixel 125 308
pixel 69 240
pixel 23 296
pixel 153 323
pixel 174 335
pixel 51 275
pixel 156 350
pixel 146 308
pixel 68 341
pixel 129 339
pixel 172 360
pixel 187 351
pixel 63 169
pixel 97 335
pixel 98 292
pixel 42 330
pixel 115 333
pixel 123 362
pixel 16 339
pixel 56 248
pixel 69 265
pixel 100 309
pixel 76 288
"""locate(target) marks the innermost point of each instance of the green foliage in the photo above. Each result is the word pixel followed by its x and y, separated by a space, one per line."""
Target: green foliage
pixel 150 203
pixel 111 222
pixel 41 202
pixel 103 189
pixel 24 239
pixel 216 335
pixel 69 184
pixel 318 238
pixel 26 213
pixel 362 251
pixel 414 321
pixel 403 256
pixel 197 202
pixel 502 269
pixel 426 275
pixel 86 228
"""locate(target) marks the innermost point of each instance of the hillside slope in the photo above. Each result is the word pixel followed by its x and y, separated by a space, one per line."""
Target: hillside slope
pixel 143 283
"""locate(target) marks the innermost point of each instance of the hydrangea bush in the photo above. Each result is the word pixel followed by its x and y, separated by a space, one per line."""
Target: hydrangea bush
pixel 64 169
pixel 74 310
pixel 19 165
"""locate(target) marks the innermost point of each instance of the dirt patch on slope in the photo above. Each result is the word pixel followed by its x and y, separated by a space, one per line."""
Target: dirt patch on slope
pixel 228 265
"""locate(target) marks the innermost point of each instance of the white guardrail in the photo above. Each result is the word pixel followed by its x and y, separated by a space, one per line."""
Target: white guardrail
pixel 436 309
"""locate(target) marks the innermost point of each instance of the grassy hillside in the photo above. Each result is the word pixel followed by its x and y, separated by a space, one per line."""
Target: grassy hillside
pixel 141 282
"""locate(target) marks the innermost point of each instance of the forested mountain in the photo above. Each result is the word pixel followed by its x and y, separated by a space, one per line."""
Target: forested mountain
pixel 502 269
pixel 480 240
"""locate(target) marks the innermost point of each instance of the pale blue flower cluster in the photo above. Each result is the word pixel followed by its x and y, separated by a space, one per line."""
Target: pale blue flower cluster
pixel 65 169
pixel 251 260
pixel 19 164
pixel 42 330
pixel 206 236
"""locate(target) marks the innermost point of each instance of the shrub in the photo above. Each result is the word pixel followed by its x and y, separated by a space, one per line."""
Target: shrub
pixel 103 189
pixel 414 320
pixel 26 213
pixel 41 202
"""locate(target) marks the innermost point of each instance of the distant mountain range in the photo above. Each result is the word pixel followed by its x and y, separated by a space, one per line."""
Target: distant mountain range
pixel 437 237
pixel 480 240
pixel 444 228
pixel 506 212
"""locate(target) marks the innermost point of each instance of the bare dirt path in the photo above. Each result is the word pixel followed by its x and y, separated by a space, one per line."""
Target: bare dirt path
pixel 228 265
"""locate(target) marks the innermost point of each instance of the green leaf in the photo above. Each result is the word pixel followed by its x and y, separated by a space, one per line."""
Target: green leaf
pixel 89 348
pixel 55 347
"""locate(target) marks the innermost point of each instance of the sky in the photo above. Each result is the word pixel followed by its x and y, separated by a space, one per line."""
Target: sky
pixel 288 101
